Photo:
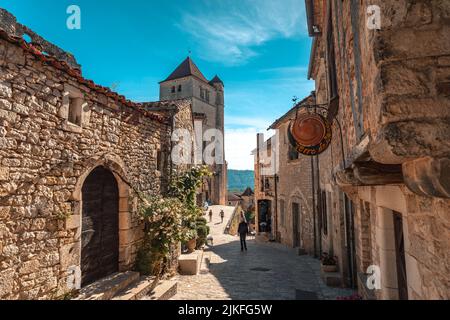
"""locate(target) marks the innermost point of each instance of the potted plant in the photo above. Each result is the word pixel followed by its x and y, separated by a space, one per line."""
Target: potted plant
pixel 328 263
pixel 191 236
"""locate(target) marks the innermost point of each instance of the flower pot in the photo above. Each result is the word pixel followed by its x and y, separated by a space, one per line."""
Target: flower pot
pixel 191 244
pixel 329 268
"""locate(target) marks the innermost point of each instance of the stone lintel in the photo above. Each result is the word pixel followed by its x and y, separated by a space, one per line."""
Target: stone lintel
pixel 428 176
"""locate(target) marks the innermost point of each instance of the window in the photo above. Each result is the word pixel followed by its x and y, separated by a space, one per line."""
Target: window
pixel 179 88
pixel 267 184
pixel 202 93
pixel 75 111
pixel 292 153
pixel 207 95
pixel 159 161
pixel 173 89
pixel 282 213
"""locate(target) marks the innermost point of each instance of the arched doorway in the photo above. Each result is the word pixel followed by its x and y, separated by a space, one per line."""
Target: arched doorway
pixel 100 226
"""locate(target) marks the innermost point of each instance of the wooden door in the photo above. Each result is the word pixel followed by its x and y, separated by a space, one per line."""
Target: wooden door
pixel 100 226
pixel 400 257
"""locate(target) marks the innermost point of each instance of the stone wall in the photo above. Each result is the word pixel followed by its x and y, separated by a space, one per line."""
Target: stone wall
pixel 44 159
pixel 294 186
pixel 393 109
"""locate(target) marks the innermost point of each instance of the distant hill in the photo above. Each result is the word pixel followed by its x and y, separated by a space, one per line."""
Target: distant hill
pixel 239 180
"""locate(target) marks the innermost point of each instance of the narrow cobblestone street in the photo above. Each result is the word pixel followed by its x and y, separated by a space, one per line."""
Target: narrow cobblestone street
pixel 267 271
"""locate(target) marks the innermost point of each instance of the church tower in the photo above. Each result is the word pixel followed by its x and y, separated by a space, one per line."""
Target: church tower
pixel 208 103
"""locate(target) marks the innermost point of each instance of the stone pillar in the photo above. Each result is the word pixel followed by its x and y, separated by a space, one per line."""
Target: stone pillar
pixel 386 244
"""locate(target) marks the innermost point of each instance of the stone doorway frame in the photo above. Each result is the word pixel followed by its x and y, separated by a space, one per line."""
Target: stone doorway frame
pixel 116 166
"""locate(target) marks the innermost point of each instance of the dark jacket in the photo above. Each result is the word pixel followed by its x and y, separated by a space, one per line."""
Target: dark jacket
pixel 243 228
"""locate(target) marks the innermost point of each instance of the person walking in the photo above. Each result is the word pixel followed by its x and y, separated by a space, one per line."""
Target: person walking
pixel 222 215
pixel 210 215
pixel 243 231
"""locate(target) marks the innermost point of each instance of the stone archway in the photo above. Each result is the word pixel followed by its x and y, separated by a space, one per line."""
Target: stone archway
pixel 115 166
pixel 100 226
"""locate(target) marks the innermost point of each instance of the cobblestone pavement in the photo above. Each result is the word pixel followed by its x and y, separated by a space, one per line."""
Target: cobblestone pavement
pixel 268 271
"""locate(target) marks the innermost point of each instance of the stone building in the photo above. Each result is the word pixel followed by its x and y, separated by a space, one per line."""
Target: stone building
pixel 294 194
pixel 207 98
pixel 265 189
pixel 75 159
pixel 233 199
pixel 385 180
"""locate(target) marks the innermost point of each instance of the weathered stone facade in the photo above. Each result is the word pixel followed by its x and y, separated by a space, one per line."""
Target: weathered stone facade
pixel 385 179
pixel 295 221
pixel 56 129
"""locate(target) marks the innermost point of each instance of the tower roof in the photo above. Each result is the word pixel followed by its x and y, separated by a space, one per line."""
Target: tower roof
pixel 216 79
pixel 248 192
pixel 185 69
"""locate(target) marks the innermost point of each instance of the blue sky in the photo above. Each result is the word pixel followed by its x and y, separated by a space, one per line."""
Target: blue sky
pixel 259 48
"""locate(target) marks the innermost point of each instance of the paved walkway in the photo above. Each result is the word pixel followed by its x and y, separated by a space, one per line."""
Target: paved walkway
pixel 268 271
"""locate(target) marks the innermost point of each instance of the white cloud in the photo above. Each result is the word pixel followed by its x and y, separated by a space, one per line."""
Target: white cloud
pixel 239 144
pixel 230 30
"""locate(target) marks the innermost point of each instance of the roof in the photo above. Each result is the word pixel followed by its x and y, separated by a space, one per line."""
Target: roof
pixel 76 75
pixel 185 69
pixel 216 79
pixel 233 197
pixel 288 114
pixel 248 192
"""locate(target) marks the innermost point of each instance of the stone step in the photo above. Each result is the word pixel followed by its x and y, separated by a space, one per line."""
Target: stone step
pixel 189 264
pixel 107 288
pixel 136 291
pixel 165 290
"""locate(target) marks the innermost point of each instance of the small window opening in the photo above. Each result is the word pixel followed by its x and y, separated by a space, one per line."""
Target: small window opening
pixel 75 111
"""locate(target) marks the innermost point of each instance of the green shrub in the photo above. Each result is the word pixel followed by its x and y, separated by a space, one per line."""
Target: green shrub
pixel 202 231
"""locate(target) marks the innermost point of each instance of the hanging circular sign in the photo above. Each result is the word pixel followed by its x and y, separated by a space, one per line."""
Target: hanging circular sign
pixel 311 134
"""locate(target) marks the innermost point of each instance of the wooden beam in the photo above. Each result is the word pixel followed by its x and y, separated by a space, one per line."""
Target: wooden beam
pixel 370 173
pixel 374 174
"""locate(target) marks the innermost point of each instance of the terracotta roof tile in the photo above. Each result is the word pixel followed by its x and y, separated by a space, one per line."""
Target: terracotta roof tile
pixel 76 73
